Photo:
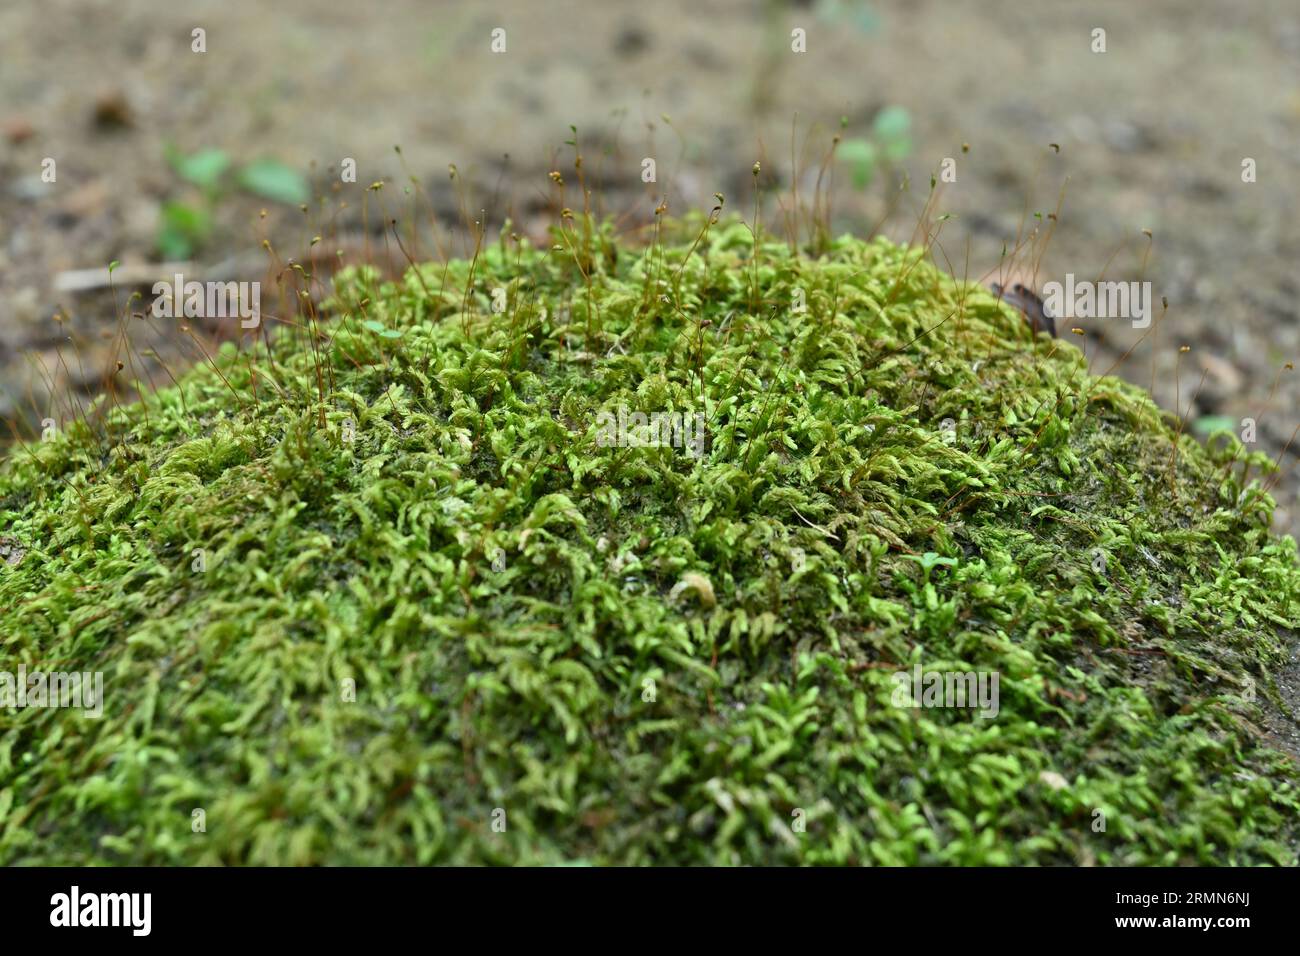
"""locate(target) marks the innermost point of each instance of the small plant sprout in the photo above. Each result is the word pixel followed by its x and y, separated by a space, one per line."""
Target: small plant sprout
pixel 929 561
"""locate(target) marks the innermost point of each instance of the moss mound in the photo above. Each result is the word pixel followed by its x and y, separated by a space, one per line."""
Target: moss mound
pixel 413 589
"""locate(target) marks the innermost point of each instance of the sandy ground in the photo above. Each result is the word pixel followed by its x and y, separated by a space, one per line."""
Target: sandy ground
pixel 1152 134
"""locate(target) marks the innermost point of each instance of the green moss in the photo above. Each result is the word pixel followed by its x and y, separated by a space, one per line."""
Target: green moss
pixel 638 654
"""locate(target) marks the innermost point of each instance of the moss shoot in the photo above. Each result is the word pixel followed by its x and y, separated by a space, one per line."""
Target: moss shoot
pixel 413 581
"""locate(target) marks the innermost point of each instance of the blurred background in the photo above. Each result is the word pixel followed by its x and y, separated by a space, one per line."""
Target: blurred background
pixel 164 154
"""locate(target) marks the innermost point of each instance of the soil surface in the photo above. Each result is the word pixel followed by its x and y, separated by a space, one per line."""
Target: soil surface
pixel 1152 134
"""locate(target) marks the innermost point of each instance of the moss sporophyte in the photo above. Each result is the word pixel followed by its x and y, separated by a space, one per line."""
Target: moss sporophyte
pixel 441 616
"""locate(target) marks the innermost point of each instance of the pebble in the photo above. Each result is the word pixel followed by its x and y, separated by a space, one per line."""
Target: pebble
pixel 30 188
